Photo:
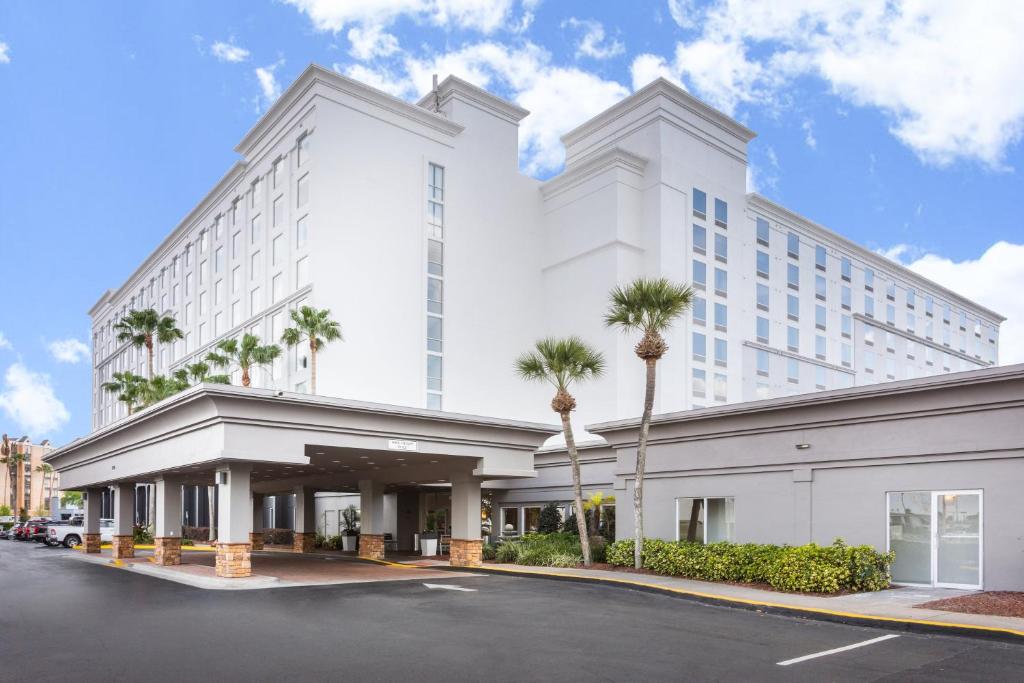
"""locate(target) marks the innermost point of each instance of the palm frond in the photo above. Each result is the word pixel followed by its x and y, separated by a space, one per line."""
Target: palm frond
pixel 651 305
pixel 561 361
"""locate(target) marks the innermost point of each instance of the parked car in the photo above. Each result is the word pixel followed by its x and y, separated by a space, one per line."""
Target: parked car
pixel 35 529
pixel 71 535
pixel 19 534
pixel 12 531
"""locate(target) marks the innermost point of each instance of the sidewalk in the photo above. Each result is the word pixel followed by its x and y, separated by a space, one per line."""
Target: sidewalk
pixel 893 608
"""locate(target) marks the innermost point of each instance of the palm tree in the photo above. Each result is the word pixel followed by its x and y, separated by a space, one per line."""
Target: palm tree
pixel 45 471
pixel 128 386
pixel 5 460
pixel 562 362
pixel 650 306
pixel 593 505
pixel 158 388
pixel 318 328
pixel 246 356
pixel 142 328
pixel 198 373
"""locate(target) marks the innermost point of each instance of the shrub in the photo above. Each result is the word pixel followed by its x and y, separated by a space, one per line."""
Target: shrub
pixel 806 568
pixel 319 540
pixel 489 551
pixel 196 533
pixel 142 536
pixel 187 541
pixel 569 525
pixel 542 550
pixel 278 536
pixel 550 519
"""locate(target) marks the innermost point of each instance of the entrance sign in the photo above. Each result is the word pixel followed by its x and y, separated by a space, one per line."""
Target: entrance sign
pixel 402 445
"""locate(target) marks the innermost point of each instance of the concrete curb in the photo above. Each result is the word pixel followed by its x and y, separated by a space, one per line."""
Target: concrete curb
pixel 893 623
pixel 204 582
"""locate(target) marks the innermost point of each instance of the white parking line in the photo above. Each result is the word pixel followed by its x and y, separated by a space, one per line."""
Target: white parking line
pixel 837 650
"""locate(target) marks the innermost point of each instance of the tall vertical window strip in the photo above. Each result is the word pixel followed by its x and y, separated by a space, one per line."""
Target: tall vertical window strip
pixel 435 285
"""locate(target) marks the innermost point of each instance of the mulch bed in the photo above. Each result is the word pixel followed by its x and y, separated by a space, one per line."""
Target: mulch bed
pixel 994 603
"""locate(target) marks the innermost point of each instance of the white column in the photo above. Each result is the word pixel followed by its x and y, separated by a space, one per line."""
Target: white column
pixel 168 508
pixel 465 507
pixel 234 503
pixel 93 504
pixel 371 507
pixel 124 509
pixel 305 510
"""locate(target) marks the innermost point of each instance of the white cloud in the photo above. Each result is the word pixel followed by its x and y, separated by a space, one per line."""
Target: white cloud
pixel 269 85
pixel 808 127
pixel 5 49
pixel 381 78
pixel 28 400
pixel 593 41
pixel 941 71
pixel 647 67
pixel 993 280
pixel 369 42
pixel 229 52
pixel 5 343
pixel 334 15
pixel 683 12
pixel 68 350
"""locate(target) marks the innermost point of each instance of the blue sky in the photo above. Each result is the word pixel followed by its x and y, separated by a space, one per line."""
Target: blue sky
pixel 898 127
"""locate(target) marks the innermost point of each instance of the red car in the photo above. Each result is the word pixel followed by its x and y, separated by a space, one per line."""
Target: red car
pixel 31 528
pixel 17 530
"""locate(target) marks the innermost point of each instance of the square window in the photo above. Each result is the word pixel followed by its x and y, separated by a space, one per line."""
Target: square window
pixel 763 232
pixel 845 297
pixel 700 203
pixel 793 245
pixel 721 248
pixel 699 383
pixel 819 287
pixel 434 333
pixel 699 345
pixel 700 310
pixel 434 372
pixel 700 239
pixel 792 371
pixel 846 326
pixel 793 339
pixel 847 269
pixel 762 362
pixel 721 387
pixel 793 276
pixel 819 317
pixel 762 297
pixel 869 306
pixel 700 274
pixel 869 279
pixel 762 330
pixel 819 347
pixel 721 213
pixel 762 264
pixel 819 257
pixel 792 307
pixel 721 282
pixel 721 318
pixel 435 295
pixel 721 352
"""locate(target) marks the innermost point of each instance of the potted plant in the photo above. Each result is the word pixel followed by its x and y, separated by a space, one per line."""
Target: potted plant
pixel 349 518
pixel 428 539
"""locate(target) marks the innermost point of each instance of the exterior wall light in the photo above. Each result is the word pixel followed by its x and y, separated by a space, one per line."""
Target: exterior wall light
pixel 803 446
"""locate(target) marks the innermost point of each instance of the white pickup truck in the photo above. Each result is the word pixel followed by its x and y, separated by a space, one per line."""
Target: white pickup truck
pixel 71 535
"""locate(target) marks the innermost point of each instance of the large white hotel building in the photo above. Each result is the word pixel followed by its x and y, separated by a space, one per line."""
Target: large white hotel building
pixel 443 262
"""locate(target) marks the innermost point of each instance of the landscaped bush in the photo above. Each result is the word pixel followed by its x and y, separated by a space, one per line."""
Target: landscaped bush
pixel 489 551
pixel 550 519
pixel 542 550
pixel 196 533
pixel 807 568
pixel 278 536
pixel 142 536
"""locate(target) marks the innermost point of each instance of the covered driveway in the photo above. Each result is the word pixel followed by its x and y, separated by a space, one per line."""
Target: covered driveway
pixel 253 442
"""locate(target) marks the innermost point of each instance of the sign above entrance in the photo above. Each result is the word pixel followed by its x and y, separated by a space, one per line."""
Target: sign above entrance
pixel 402 445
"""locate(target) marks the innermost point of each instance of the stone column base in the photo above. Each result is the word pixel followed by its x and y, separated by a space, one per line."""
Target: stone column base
pixel 303 542
pixel 123 547
pixel 256 540
pixel 466 553
pixel 167 550
pixel 371 546
pixel 234 560
pixel 91 543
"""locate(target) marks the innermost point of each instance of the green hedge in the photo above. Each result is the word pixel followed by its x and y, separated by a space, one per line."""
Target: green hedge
pixel 807 568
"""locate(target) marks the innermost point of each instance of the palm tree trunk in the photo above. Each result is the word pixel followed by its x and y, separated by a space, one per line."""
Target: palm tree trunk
pixel 312 363
pixel 149 354
pixel 641 464
pixel 574 459
pixel 246 381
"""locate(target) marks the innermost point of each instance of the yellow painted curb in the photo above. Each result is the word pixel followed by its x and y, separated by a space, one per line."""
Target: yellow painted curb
pixel 759 603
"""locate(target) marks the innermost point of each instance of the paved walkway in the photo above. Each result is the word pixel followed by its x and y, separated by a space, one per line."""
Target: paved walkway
pixel 896 604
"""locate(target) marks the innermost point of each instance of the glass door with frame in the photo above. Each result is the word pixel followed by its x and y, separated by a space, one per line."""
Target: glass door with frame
pixel 956 551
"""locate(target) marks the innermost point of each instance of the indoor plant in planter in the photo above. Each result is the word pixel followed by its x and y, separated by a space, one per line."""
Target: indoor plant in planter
pixel 349 518
pixel 428 539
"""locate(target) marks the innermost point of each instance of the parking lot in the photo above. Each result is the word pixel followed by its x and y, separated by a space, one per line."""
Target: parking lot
pixel 98 622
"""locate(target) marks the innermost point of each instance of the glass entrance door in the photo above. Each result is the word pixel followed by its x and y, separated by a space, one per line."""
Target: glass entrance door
pixel 956 550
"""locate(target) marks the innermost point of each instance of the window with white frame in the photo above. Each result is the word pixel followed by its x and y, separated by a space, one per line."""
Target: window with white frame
pixel 706 520
pixel 435 235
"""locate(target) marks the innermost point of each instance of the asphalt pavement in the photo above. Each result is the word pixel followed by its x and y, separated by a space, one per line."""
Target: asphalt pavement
pixel 64 619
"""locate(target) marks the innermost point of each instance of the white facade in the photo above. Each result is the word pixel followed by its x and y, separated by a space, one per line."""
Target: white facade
pixel 442 262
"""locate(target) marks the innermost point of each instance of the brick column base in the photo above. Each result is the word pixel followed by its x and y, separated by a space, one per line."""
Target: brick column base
pixel 91 542
pixel 123 547
pixel 234 560
pixel 466 553
pixel 303 542
pixel 167 550
pixel 256 540
pixel 371 546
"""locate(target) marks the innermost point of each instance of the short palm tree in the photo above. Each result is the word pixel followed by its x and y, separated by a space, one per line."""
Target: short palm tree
pixel 316 326
pixel 158 388
pixel 649 306
pixel 128 386
pixel 199 373
pixel 143 328
pixel 246 356
pixel 562 362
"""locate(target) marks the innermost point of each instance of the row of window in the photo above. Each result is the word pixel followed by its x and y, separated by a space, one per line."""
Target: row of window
pixel 435 285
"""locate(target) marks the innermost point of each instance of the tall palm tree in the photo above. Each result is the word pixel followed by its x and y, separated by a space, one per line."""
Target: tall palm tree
pixel 562 362
pixel 649 306
pixel 17 462
pixel 45 470
pixel 316 326
pixel 245 356
pixel 5 460
pixel 128 386
pixel 143 328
